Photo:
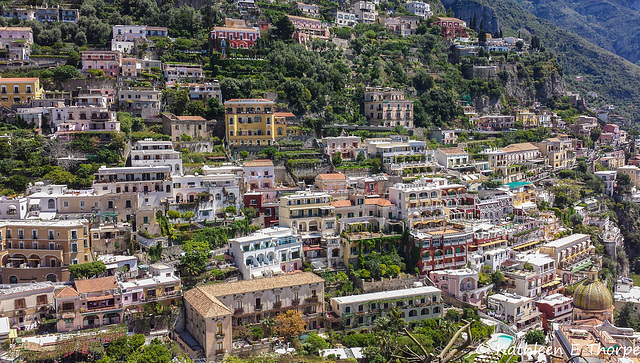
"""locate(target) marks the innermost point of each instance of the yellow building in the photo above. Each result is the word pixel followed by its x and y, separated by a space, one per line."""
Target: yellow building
pixel 252 122
pixel 19 90
pixel 527 119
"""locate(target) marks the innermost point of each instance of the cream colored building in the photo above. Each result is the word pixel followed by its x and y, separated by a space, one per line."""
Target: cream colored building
pixel 514 161
pixel 555 153
pixel 213 310
pixel 42 250
pixel 25 305
pixel 310 213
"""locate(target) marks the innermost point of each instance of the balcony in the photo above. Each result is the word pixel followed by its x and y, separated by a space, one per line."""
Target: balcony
pixel 258 307
pixel 311 300
pixel 238 311
pixel 295 302
pixel 277 305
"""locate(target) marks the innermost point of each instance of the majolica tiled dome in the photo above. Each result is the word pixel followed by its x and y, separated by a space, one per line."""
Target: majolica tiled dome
pixel 592 295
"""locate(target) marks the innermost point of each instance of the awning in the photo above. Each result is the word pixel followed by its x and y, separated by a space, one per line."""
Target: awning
pixel 13 207
pixel 34 201
pixel 312 235
pixel 582 267
pixel 276 270
pixel 556 281
pixel 318 265
pixel 526 245
pixel 492 243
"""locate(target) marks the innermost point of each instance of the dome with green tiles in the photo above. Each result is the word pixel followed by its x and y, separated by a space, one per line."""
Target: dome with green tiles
pixel 592 295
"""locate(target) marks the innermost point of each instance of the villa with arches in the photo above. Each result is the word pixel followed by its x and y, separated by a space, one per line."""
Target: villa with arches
pixel 442 247
pixel 462 284
pixel 34 251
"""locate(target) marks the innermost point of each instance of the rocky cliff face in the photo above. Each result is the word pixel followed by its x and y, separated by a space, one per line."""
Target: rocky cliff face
pixel 525 93
pixel 468 9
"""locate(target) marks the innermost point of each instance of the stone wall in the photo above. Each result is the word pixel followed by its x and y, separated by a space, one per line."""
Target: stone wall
pixel 386 284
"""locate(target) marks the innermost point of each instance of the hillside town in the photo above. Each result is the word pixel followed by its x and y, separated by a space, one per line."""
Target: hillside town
pixel 245 202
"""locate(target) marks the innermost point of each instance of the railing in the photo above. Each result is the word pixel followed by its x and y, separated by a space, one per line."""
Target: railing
pixel 295 302
pixel 277 304
pixel 238 311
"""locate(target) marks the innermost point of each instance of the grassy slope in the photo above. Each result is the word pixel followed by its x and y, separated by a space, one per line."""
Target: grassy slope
pixel 614 79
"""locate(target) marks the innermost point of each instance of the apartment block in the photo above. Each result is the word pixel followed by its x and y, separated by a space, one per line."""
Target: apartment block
pixel 267 252
pixel 347 146
pixel 108 61
pixel 140 102
pixel 149 152
pixel 15 43
pixel 365 12
pixel 227 39
pixel 195 127
pixel 15 91
pixel 515 310
pixel 38 251
pixel 183 72
pixel 69 120
pixel 442 247
pixel 414 304
pixel 311 213
pixel 418 8
pixel 307 29
pixel 251 122
pixel 212 311
pixel 387 107
pixel 25 305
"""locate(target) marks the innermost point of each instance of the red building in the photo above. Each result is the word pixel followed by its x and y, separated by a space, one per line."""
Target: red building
pixel 451 27
pixel 555 308
pixel 226 39
pixel 442 247
pixel 266 208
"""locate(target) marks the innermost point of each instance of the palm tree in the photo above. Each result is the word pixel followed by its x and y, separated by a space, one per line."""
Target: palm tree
pixel 267 324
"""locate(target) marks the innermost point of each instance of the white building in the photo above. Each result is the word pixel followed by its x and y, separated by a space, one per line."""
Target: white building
pixel 344 18
pixel 311 213
pixel 365 12
pixel 518 311
pixel 414 304
pixel 609 177
pixel 259 174
pixel 452 157
pixel 140 179
pixel 418 8
pixel 156 153
pixel 267 252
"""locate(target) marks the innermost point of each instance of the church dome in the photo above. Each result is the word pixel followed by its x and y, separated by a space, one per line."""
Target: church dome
pixel 592 296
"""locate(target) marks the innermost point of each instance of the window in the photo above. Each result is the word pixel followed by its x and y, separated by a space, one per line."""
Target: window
pixel 145 220
pixel 34 234
pixel 74 247
pixel 74 234
pixel 20 304
pixel 347 310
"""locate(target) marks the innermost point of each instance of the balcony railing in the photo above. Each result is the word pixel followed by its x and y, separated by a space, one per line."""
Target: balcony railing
pixel 238 311
pixel 295 302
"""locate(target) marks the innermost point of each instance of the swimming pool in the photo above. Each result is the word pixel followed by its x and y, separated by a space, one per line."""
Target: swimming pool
pixel 500 342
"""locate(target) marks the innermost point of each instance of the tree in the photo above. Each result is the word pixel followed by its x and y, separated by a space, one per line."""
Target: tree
pixel 188 215
pixel 269 151
pixel 623 184
pixel 59 176
pixel 337 159
pixel 627 317
pixel 64 73
pixel 535 336
pixel 196 108
pixel 196 255
pixel 249 213
pixel 594 135
pixel 185 137
pixel 173 214
pixel 243 154
pixel 88 270
pixel 498 279
pixel 290 324
pixel 80 39
pixel 284 29
pixel 73 59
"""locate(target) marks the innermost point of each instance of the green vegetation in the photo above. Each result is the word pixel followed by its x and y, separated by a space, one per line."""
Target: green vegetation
pixel 88 270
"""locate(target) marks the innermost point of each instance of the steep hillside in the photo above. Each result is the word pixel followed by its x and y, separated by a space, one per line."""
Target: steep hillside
pixel 614 79
pixel 611 24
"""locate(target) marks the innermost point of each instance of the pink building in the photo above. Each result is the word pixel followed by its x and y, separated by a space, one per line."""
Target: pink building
pixel 452 27
pixel 108 61
pixel 307 28
pixel 461 284
pixel 495 123
pixel 89 304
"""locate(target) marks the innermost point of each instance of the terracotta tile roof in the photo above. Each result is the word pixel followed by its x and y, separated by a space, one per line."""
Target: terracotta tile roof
pixel 206 305
pixel 332 176
pixel 67 291
pixel 524 146
pixel 266 283
pixel 259 162
pixel 283 114
pixel 452 151
pixel 449 19
pixel 16 28
pixel 95 285
pixel 378 201
pixel 341 203
pixel 191 118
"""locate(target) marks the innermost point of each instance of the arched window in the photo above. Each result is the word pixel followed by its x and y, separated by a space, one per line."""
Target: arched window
pixel 413 313
pixel 424 311
pixel 51 204
pixel 13 279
